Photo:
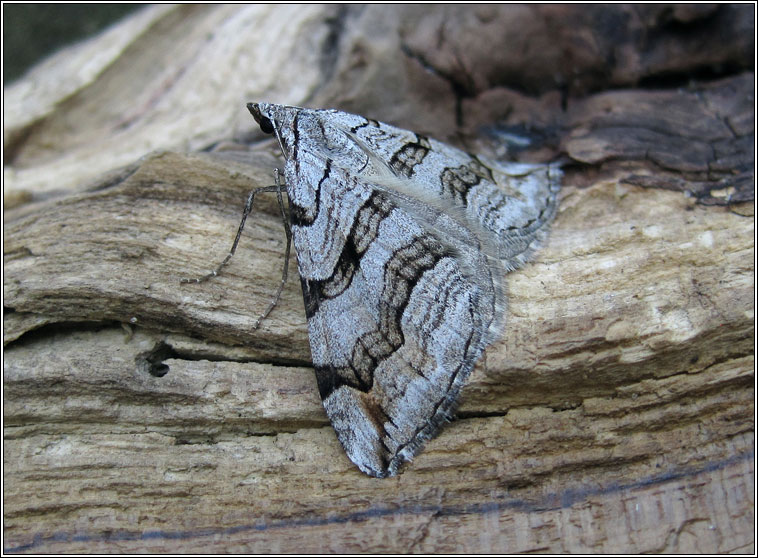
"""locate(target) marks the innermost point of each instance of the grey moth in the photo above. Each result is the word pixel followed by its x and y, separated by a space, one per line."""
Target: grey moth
pixel 402 245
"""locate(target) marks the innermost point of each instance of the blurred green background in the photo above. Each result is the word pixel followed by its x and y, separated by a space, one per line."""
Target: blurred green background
pixel 32 31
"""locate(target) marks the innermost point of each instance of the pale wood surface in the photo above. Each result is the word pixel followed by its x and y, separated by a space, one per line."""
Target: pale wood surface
pixel 141 415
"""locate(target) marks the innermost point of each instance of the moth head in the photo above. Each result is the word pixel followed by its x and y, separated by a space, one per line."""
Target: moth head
pixel 310 133
pixel 267 127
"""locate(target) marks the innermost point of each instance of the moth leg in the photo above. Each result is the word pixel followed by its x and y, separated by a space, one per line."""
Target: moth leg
pixel 248 208
pixel 288 232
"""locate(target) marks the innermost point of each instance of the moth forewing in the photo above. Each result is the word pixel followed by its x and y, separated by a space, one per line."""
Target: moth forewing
pixel 402 242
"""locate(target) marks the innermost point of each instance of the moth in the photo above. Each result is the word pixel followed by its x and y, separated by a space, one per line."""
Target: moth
pixel 402 245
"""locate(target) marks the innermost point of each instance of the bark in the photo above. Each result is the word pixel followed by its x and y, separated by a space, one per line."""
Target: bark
pixel 614 415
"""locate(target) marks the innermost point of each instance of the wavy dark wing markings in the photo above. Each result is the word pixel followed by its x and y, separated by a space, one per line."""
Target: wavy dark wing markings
pixel 509 203
pixel 402 242
pixel 395 330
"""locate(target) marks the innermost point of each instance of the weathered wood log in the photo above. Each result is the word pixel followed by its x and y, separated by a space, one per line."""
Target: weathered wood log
pixel 614 415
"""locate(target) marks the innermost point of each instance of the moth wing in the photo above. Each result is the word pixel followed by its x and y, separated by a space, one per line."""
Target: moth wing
pixel 401 242
pixel 397 326
pixel 508 205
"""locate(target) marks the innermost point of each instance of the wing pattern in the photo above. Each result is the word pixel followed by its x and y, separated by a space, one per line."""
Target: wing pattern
pixel 402 243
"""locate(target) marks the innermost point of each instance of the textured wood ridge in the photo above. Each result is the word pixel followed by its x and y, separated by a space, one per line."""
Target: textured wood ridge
pixel 615 414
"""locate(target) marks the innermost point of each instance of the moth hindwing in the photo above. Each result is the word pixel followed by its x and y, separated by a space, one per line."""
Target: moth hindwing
pixel 402 243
